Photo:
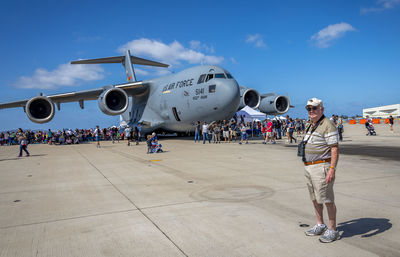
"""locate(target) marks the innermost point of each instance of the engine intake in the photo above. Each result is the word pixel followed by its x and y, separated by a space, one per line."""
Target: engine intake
pixel 113 101
pixel 274 104
pixel 40 109
pixel 249 97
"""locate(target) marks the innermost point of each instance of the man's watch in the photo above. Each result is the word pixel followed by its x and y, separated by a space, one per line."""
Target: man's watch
pixel 332 167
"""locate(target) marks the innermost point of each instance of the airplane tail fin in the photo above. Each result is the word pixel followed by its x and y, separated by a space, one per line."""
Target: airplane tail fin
pixel 127 60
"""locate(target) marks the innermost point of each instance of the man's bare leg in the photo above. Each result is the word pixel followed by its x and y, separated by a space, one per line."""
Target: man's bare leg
pixel 319 210
pixel 331 208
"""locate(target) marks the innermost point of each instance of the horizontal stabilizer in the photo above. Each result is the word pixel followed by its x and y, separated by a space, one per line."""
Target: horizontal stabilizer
pixel 121 59
pixel 116 59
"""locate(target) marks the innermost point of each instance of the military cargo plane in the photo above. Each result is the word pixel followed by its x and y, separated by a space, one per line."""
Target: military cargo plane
pixel 169 103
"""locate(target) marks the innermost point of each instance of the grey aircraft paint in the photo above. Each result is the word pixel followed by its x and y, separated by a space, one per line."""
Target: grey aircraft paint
pixel 175 102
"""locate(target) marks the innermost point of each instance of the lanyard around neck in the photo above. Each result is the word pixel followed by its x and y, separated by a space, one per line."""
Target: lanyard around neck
pixel 314 127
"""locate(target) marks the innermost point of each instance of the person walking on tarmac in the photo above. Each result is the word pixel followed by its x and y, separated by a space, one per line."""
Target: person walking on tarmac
pixel 291 127
pixel 391 121
pixel 128 134
pixel 205 132
pixel 97 136
pixel 23 144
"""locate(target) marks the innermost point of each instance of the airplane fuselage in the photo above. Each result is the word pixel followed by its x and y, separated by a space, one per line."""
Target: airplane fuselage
pixel 175 102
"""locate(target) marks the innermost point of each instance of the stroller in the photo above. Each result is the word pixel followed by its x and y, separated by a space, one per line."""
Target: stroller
pixel 370 128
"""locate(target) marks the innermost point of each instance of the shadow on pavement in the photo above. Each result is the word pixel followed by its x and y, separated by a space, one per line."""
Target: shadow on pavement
pixel 384 152
pixel 381 152
pixel 17 158
pixel 366 227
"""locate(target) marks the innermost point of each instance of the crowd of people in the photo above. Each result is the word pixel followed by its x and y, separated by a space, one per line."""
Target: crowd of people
pixel 215 132
pixel 227 131
pixel 68 136
pixel 234 130
pixel 78 136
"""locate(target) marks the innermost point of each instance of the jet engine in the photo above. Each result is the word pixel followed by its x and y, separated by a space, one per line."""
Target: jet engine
pixel 113 101
pixel 274 104
pixel 40 109
pixel 249 97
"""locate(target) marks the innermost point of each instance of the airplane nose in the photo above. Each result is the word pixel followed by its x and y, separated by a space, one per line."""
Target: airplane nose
pixel 229 96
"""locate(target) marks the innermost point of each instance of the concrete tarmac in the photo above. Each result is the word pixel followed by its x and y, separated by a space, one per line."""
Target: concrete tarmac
pixel 196 199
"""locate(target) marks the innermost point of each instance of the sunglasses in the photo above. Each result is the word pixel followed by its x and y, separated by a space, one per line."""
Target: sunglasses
pixel 311 108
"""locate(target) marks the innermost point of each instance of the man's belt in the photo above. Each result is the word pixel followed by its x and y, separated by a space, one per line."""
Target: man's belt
pixel 316 162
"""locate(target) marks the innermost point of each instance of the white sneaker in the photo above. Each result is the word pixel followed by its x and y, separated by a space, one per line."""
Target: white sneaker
pixel 316 230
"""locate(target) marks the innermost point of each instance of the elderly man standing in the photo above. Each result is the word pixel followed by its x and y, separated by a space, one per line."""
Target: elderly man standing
pixel 320 160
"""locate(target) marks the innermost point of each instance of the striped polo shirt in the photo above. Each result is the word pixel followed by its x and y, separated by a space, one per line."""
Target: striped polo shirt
pixel 319 143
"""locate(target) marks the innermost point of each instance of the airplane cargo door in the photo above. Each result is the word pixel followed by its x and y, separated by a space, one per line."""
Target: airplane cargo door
pixel 175 114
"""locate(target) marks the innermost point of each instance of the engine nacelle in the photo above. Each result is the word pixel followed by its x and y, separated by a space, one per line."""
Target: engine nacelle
pixel 113 101
pixel 249 97
pixel 274 104
pixel 40 109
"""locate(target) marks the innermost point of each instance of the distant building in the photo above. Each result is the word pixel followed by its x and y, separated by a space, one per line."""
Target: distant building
pixel 383 111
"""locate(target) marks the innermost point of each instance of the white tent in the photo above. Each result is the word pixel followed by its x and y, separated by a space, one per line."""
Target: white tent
pixel 122 122
pixel 250 114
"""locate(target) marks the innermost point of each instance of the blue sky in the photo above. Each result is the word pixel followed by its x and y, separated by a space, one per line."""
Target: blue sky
pixel 344 52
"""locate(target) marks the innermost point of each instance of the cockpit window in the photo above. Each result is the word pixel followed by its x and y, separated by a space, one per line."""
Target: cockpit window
pixel 229 76
pixel 220 76
pixel 211 89
pixel 209 76
pixel 201 79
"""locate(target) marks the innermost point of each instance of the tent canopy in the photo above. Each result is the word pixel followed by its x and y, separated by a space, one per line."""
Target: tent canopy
pixel 250 114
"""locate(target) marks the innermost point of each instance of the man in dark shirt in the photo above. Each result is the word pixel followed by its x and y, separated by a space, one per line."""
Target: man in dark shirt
pixel 391 121
pixel 225 131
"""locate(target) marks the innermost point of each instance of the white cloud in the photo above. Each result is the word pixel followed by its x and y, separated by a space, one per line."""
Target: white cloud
pixel 173 53
pixel 141 72
pixel 233 60
pixel 155 71
pixel 197 45
pixel 163 72
pixel 256 39
pixel 325 37
pixel 64 75
pixel 381 5
pixel 194 44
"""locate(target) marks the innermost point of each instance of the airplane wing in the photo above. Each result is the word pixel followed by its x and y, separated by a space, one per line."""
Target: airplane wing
pixel 92 94
pixel 113 100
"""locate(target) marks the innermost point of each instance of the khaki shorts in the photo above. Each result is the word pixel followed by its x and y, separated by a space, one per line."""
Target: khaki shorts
pixel 225 133
pixel 315 176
